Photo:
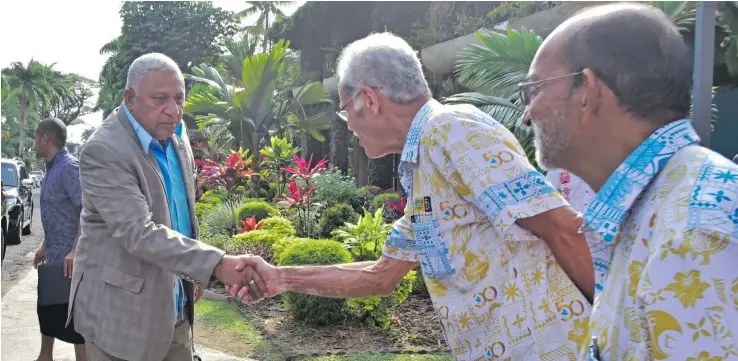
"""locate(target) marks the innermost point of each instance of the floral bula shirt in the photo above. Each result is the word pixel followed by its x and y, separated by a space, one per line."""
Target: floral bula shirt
pixel 665 230
pixel 496 288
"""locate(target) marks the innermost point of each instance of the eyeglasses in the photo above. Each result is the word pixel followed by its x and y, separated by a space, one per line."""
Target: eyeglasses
pixel 526 89
pixel 342 113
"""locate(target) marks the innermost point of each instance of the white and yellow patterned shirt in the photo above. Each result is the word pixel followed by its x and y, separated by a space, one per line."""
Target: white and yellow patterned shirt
pixel 497 289
pixel 665 227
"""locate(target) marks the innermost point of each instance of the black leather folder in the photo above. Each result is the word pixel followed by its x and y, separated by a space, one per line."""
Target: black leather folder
pixel 53 287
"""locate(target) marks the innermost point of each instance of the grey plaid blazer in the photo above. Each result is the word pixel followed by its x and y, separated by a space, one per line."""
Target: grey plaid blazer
pixel 122 297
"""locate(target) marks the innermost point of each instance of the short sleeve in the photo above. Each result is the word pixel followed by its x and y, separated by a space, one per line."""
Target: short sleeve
pixel 71 183
pixel 486 165
pixel 400 244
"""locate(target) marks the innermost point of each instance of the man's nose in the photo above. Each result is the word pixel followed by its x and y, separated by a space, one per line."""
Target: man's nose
pixel 526 116
pixel 172 108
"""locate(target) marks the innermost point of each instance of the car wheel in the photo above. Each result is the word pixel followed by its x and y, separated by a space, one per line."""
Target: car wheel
pixel 27 229
pixel 14 238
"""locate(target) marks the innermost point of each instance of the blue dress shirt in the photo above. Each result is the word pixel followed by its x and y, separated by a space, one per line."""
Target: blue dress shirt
pixel 166 157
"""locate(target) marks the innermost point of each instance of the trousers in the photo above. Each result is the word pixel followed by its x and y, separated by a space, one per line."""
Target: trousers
pixel 181 348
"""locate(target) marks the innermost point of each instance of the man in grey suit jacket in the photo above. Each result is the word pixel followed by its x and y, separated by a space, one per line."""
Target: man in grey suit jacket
pixel 138 260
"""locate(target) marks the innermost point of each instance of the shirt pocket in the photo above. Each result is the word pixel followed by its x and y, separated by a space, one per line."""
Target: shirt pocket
pixel 435 260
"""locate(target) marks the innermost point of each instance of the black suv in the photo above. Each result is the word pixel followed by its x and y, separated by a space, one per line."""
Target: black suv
pixel 19 199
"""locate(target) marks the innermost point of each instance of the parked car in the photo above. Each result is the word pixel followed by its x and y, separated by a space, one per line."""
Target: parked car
pixel 19 199
pixel 4 220
pixel 38 178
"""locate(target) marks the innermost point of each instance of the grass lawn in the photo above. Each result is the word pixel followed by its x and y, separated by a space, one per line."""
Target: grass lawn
pixel 221 327
pixel 383 357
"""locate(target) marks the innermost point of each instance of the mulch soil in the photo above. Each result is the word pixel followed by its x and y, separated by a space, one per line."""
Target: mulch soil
pixel 415 329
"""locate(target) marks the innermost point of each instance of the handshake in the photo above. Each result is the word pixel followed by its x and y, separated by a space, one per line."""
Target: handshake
pixel 248 278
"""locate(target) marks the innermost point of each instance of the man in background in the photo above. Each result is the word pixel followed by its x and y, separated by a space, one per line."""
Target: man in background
pixel 61 204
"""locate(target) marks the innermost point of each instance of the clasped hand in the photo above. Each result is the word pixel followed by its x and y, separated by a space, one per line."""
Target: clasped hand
pixel 248 278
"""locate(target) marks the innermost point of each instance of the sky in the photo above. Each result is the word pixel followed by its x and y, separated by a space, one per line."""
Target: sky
pixel 70 33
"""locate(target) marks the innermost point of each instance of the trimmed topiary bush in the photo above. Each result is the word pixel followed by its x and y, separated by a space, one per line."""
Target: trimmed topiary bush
pixel 315 310
pixel 261 210
pixel 279 225
pixel 377 311
pixel 335 217
pixel 257 242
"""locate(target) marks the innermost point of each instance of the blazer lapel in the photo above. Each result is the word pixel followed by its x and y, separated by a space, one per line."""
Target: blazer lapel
pixel 149 156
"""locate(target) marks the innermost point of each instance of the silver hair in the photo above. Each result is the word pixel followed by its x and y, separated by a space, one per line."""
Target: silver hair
pixel 384 61
pixel 147 63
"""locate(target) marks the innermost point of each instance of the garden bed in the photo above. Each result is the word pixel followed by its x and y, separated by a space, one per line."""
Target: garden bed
pixel 415 329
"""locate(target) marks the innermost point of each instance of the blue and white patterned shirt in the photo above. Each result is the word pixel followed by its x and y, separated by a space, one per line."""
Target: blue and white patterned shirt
pixel 496 287
pixel 663 232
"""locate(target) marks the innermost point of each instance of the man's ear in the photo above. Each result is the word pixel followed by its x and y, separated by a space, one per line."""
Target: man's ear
pixel 129 96
pixel 372 99
pixel 592 91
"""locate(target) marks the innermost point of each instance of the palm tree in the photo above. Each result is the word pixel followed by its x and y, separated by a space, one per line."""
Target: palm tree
pixel 236 52
pixel 264 9
pixel 495 68
pixel 34 85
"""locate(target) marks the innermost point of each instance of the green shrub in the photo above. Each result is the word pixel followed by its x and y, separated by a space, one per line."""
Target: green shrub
pixel 365 239
pixel 377 311
pixel 213 196
pixel 202 209
pixel 332 187
pixel 283 244
pixel 220 220
pixel 303 227
pixel 261 210
pixel 257 242
pixel 279 225
pixel 315 310
pixel 335 217
pixel 379 201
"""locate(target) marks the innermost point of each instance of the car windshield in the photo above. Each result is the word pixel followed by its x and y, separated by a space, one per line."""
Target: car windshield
pixel 10 175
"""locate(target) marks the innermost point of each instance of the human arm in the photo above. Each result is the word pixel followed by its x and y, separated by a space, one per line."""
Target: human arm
pixel 69 258
pixel 40 256
pixel 350 280
pixel 487 167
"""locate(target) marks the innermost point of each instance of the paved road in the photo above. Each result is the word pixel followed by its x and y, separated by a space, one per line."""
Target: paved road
pixel 19 259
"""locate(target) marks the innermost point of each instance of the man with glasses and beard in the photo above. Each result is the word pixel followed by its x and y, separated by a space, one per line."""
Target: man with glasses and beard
pixel 609 100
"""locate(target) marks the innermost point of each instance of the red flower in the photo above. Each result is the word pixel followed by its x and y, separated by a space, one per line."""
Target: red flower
pixel 199 163
pixel 305 170
pixel 250 224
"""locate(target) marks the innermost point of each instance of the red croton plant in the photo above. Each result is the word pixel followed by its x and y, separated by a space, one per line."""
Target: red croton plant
pixel 397 205
pixel 250 224
pixel 299 196
pixel 229 175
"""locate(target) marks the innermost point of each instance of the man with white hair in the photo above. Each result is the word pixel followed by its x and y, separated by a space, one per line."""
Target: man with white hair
pixel 475 213
pixel 139 268
pixel 609 99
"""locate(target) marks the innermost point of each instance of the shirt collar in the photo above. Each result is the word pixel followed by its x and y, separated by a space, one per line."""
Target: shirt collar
pixel 144 136
pixel 61 153
pixel 630 179
pixel 412 141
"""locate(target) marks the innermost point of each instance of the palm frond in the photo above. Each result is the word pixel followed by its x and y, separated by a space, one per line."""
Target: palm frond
pixel 500 63
pixel 682 13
